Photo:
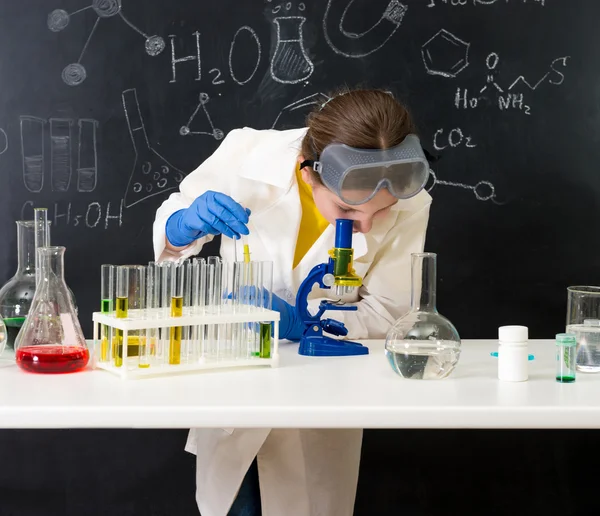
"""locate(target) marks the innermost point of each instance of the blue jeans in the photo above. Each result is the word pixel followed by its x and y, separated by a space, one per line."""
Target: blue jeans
pixel 247 502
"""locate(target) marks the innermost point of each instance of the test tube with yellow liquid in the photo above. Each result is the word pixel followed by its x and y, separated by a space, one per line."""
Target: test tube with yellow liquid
pixel 107 293
pixel 134 291
pixel 177 290
pixel 122 309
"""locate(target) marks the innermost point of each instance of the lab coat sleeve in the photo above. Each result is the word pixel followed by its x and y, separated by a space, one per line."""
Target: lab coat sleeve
pixel 217 174
pixel 386 290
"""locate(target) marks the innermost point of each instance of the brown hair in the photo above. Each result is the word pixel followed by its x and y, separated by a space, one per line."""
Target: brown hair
pixel 365 119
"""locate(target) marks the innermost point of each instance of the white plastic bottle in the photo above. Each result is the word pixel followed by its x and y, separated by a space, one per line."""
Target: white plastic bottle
pixel 513 357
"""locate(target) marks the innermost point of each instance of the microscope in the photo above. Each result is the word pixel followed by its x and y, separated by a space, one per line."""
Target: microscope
pixel 337 273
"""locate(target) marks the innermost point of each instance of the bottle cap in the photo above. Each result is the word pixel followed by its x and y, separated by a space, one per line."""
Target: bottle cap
pixel 591 322
pixel 513 333
pixel 566 339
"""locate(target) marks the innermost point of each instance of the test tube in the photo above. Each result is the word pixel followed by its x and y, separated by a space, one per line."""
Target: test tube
pixel 266 298
pixel 177 291
pixel 107 293
pixel 149 347
pixel 227 330
pixel 236 298
pixel 42 236
pixel 220 328
pixel 257 305
pixel 122 309
pixel 211 329
pixel 200 305
pixel 166 270
pixel 187 303
pixel 137 302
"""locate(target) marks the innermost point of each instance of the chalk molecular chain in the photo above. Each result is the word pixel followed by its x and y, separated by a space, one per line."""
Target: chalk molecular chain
pixel 463 3
pixel 445 54
pixel 483 190
pixel 508 99
pixel 75 73
pixel 33 153
pixel 151 174
pixel 187 129
pixel 344 42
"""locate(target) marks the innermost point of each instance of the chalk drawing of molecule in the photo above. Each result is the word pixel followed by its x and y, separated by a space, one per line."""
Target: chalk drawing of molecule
pixel 75 73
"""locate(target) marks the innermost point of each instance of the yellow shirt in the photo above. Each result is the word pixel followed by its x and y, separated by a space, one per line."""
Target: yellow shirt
pixel 312 223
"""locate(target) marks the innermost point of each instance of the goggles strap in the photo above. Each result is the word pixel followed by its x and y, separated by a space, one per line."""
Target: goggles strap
pixel 430 157
pixel 307 163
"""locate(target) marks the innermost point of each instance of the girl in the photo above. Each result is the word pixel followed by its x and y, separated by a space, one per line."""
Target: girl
pixel 285 189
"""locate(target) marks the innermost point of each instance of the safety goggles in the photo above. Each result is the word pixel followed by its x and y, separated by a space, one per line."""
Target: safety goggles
pixel 356 175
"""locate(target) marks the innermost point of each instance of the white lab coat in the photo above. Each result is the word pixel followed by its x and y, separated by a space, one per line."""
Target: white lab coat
pixel 302 472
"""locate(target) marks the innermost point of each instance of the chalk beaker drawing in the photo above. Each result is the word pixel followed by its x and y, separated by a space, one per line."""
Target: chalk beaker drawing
pixel 151 173
pixel 291 63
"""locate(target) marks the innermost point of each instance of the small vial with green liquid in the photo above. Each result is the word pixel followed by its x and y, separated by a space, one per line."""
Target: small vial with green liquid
pixel 566 357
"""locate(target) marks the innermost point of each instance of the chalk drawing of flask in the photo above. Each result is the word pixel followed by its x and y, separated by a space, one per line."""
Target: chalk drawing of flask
pixel 290 63
pixel 151 173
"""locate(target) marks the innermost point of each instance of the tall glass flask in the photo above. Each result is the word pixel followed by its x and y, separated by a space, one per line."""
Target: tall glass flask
pixel 51 340
pixel 17 294
pixel 423 344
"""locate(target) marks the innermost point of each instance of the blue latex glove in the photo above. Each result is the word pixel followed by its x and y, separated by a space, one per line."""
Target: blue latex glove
pixel 212 213
pixel 291 326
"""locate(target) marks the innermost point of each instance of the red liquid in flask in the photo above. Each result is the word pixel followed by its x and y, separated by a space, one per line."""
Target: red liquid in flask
pixel 52 359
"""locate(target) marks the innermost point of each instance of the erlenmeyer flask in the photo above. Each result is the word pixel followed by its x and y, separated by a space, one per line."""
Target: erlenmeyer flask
pixel 423 344
pixel 51 340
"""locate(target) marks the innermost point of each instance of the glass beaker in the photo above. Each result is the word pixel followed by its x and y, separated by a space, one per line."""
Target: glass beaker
pixel 51 340
pixel 583 320
pixel 17 294
pixel 423 344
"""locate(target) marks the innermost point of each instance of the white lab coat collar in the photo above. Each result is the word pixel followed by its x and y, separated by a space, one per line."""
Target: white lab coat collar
pixel 278 152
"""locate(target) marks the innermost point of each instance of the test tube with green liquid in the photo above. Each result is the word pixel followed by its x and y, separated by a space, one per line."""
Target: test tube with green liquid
pixel 256 290
pixel 107 292
pixel 266 298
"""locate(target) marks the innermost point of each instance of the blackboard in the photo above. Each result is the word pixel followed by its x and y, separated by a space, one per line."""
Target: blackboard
pixel 107 104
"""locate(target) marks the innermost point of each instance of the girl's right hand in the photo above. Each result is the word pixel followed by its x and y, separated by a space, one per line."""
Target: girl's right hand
pixel 213 213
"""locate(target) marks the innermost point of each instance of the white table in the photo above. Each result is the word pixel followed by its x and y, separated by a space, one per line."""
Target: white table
pixel 306 392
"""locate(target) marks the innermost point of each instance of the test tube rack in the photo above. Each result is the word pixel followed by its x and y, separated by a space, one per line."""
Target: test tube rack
pixel 143 321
